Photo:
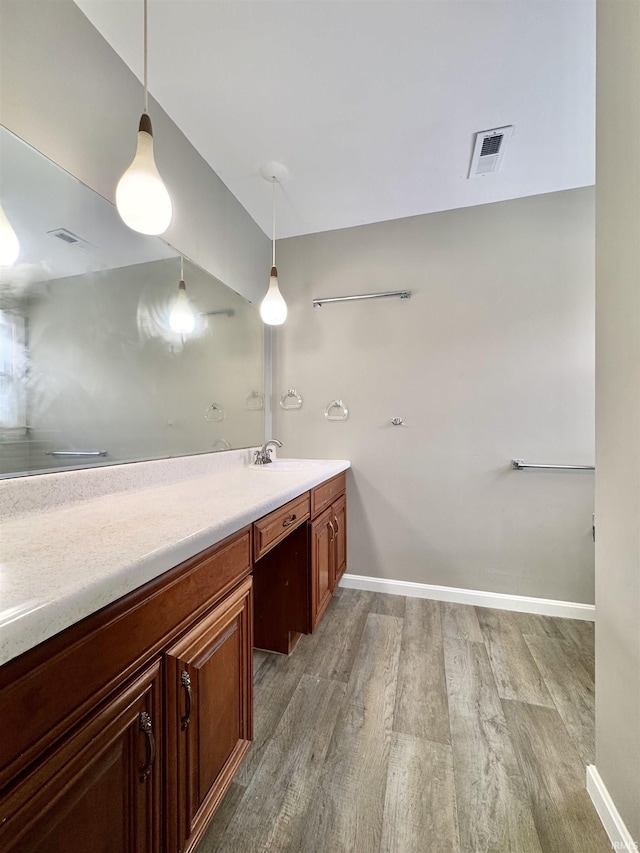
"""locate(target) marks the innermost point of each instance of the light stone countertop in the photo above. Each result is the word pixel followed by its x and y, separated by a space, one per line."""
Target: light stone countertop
pixel 63 563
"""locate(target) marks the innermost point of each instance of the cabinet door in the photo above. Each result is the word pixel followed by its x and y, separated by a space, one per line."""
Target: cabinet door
pixel 322 543
pixel 339 513
pixel 209 714
pixel 100 789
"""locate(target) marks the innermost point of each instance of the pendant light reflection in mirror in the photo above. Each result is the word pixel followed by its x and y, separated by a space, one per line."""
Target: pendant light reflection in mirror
pixel 9 245
pixel 273 308
pixel 182 319
pixel 141 196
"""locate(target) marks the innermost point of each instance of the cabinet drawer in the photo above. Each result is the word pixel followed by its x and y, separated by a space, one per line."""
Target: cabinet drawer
pixel 48 689
pixel 326 493
pixel 271 529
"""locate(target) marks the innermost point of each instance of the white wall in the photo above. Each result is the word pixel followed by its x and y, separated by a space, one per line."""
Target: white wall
pixel 618 407
pixel 492 358
pixel 69 95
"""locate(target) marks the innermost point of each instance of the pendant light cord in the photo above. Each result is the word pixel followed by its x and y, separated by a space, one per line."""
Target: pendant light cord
pixel 181 268
pixel 144 50
pixel 273 224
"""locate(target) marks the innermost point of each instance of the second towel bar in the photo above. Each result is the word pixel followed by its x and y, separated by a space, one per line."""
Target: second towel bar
pixel 76 453
pixel 520 465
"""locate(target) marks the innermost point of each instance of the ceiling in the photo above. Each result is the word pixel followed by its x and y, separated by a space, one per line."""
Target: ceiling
pixel 372 105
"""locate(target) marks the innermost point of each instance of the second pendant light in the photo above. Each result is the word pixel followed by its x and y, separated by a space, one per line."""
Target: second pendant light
pixel 182 319
pixel 273 308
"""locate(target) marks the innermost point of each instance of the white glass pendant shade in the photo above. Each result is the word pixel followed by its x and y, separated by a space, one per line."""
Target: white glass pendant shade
pixel 9 245
pixel 141 196
pixel 182 319
pixel 273 308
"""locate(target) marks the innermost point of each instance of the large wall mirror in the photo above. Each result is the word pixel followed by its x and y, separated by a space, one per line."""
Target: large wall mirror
pixel 91 372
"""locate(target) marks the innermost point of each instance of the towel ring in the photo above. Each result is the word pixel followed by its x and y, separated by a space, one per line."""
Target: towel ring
pixel 214 412
pixel 254 401
pixel 291 400
pixel 336 411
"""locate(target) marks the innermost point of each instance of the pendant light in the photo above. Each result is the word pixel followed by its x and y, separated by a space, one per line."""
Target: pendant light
pixel 273 308
pixel 141 197
pixel 9 245
pixel 182 319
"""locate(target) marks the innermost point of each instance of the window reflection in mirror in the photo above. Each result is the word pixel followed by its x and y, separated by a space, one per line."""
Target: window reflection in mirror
pixel 89 363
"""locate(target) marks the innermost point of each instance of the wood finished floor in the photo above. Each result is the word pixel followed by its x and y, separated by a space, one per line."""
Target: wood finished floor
pixel 405 725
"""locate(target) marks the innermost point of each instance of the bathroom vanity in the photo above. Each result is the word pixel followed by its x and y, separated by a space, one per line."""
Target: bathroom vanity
pixel 123 729
pixel 300 555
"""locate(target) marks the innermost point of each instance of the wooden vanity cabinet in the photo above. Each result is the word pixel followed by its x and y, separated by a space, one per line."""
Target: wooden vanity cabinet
pixel 101 788
pixel 300 553
pixel 321 566
pixel 209 714
pixel 328 542
pixel 339 565
pixel 94 752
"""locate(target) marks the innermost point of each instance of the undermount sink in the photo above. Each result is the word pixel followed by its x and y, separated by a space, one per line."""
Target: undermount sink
pixel 284 465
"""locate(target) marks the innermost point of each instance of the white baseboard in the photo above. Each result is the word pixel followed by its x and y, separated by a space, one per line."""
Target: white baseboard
pixel 497 600
pixel 618 833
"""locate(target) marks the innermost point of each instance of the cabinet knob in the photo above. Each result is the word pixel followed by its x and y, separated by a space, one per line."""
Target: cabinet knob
pixel 147 728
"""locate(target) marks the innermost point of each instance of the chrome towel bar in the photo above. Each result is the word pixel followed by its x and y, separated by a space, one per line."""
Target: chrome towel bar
pixel 520 465
pixel 76 453
pixel 403 294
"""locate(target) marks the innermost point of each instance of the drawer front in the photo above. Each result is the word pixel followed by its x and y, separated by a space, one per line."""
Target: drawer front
pixel 48 689
pixel 326 493
pixel 273 528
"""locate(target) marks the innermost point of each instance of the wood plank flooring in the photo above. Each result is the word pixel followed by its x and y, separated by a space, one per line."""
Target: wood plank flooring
pixel 412 726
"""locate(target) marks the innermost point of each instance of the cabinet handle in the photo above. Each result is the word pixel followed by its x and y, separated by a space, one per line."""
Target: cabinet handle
pixel 333 531
pixel 147 728
pixel 335 518
pixel 289 521
pixel 185 679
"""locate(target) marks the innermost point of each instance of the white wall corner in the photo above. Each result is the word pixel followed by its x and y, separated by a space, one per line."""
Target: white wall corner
pixel 614 826
pixel 496 600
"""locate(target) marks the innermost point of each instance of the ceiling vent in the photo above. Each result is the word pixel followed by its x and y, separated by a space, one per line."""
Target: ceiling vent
pixel 69 238
pixel 489 151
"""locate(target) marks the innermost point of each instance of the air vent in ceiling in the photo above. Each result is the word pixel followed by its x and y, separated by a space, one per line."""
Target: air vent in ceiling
pixel 69 238
pixel 489 151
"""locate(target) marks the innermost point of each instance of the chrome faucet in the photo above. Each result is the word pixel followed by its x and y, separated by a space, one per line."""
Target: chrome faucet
pixel 263 456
